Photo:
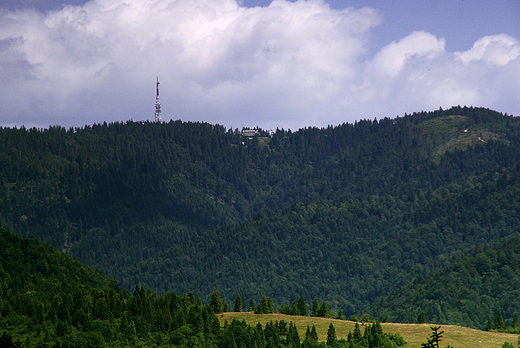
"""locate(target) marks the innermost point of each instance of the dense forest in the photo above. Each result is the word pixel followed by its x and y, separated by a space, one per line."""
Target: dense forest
pixel 346 214
pixel 469 291
pixel 347 252
pixel 49 300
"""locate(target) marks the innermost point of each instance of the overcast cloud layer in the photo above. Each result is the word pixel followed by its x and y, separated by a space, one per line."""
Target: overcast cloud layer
pixel 287 65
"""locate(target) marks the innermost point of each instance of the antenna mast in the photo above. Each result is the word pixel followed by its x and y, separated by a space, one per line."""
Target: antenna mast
pixel 157 104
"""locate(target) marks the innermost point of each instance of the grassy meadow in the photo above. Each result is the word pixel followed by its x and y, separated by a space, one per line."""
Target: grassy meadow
pixel 414 334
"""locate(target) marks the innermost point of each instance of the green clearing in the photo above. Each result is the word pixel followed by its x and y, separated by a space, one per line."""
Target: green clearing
pixel 413 334
pixel 451 133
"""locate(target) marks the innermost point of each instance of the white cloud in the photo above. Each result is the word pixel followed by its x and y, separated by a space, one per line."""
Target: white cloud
pixel 418 74
pixel 291 64
pixel 393 57
pixel 498 50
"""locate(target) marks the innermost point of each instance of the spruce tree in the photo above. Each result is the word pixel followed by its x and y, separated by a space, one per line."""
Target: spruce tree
pixel 251 307
pixel 263 307
pixel 331 336
pixel 308 333
pixel 302 309
pixel 314 333
pixel 357 333
pixel 315 307
pixel 293 339
pixel 270 306
pixel 499 322
pixel 489 324
pixel 324 310
pixel 434 339
pixel 516 322
pixel 216 302
pixel 421 319
pixel 238 304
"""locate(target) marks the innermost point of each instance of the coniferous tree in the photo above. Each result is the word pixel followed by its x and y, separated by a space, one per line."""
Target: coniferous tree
pixel 263 307
pixel 314 333
pixel 421 319
pixel 315 307
pixel 270 306
pixel 216 302
pixel 251 307
pixel 499 322
pixel 516 321
pixel 434 339
pixel 308 332
pixel 302 309
pixel 331 336
pixel 293 339
pixel 238 304
pixel 83 170
pixel 489 324
pixel 311 339
pixel 356 336
pixel 324 310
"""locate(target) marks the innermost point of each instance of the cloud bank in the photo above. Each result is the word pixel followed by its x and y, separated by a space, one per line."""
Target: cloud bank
pixel 290 65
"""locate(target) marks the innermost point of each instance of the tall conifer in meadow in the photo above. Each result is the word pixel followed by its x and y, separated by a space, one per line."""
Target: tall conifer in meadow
pixel 315 307
pixel 499 321
pixel 238 304
pixel 331 336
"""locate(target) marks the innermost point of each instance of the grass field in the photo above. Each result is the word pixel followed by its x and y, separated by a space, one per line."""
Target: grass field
pixel 414 334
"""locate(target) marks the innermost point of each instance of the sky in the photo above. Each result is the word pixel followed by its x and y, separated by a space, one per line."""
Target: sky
pixel 246 63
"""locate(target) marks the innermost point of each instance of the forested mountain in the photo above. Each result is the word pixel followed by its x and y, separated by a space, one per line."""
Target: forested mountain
pixel 345 213
pixel 348 252
pixel 49 300
pixel 28 266
pixel 468 291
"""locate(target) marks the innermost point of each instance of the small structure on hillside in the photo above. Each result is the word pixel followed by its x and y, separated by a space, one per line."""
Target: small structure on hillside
pixel 250 133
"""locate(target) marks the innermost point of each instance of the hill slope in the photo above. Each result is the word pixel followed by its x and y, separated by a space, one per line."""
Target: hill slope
pixel 346 252
pixel 466 292
pixel 49 300
pixel 354 210
pixel 27 266
pixel 413 334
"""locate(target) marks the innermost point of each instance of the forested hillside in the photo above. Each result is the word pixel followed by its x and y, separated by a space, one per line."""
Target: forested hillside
pixel 348 252
pixel 469 291
pixel 344 213
pixel 49 300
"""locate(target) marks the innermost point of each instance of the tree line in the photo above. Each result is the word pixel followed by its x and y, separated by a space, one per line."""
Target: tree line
pixel 469 291
pixel 49 300
pixel 345 213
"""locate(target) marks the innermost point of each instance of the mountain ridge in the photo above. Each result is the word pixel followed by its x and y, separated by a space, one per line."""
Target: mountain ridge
pixel 137 200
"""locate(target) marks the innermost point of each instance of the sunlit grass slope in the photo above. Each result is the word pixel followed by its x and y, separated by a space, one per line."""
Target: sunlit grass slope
pixel 413 334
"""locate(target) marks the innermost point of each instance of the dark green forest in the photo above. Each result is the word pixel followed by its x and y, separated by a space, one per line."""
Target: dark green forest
pixel 347 214
pixel 469 291
pixel 49 300
pixel 351 252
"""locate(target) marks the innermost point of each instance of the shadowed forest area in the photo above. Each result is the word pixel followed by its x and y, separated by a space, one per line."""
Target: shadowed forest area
pixel 354 215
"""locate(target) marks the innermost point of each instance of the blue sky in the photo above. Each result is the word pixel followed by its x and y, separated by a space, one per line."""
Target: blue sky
pixel 254 62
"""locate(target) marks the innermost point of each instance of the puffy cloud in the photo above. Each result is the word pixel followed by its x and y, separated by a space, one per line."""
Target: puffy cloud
pixel 291 64
pixel 393 57
pixel 498 50
pixel 417 73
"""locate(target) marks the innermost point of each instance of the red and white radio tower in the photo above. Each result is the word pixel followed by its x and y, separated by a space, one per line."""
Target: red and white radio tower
pixel 157 104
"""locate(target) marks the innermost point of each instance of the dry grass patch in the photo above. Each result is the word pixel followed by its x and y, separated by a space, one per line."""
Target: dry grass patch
pixel 413 334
